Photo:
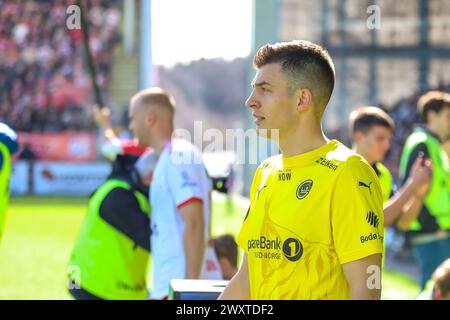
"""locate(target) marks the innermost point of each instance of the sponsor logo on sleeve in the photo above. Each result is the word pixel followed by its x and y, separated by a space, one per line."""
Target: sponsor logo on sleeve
pixel 187 182
pixel 372 219
pixel 371 237
pixel 365 185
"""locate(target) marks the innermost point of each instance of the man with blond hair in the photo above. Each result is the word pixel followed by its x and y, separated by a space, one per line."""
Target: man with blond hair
pixel 180 193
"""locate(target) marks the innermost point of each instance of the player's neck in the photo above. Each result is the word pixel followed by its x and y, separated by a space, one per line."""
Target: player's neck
pixel 430 127
pixel 160 144
pixel 160 137
pixel 302 141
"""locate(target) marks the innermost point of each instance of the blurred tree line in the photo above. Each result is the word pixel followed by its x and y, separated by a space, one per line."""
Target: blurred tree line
pixel 211 90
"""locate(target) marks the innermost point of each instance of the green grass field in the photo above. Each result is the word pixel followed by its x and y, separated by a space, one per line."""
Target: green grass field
pixel 40 233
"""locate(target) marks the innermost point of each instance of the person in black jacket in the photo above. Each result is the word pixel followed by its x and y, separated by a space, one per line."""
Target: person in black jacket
pixel 111 254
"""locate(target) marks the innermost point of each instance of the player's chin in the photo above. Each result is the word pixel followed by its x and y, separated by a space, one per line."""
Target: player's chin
pixel 142 143
pixel 380 157
pixel 268 133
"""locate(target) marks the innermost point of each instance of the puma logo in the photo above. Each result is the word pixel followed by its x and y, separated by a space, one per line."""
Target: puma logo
pixel 362 184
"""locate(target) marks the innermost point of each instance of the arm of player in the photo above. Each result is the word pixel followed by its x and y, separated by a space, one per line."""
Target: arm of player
pixel 357 227
pixel 413 207
pixel 102 117
pixel 193 238
pixel 121 210
pixel 239 286
pixel 411 212
pixel 416 186
pixel 364 278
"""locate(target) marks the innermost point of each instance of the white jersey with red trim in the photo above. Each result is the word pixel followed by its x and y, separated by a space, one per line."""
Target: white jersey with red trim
pixel 179 178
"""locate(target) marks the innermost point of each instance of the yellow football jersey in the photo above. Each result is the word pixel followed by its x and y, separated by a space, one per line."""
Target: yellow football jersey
pixel 308 215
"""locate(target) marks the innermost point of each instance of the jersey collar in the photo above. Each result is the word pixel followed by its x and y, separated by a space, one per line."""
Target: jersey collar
pixel 305 159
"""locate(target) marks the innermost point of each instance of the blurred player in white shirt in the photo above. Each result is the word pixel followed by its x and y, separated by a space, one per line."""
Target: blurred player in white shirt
pixel 180 194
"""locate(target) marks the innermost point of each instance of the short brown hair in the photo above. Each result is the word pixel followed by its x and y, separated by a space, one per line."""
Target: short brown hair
pixel 432 101
pixel 155 96
pixel 305 64
pixel 225 247
pixel 364 118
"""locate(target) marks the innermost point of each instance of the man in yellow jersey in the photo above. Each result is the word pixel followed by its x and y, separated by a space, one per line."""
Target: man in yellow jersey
pixel 371 129
pixel 314 229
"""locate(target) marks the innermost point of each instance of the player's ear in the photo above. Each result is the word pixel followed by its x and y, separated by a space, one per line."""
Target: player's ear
pixel 357 136
pixel 304 99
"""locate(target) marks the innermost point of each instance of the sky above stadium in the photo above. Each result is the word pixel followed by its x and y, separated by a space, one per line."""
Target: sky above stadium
pixel 190 30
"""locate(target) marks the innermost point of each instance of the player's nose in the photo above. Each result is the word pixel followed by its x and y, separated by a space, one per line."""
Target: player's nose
pixel 251 101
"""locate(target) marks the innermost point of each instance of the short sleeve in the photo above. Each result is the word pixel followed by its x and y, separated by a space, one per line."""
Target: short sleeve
pixel 357 216
pixel 188 182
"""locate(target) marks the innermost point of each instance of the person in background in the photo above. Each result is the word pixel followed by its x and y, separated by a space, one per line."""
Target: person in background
pixel 227 253
pixel 438 287
pixel 8 146
pixel 180 194
pixel 371 129
pixel 429 233
pixel 110 257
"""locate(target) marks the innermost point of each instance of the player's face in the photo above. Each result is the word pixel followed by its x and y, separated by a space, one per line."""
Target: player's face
pixel 138 124
pixel 375 143
pixel 273 107
pixel 444 123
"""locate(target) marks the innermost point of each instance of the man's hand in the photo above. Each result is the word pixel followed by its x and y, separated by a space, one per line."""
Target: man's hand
pixel 102 116
pixel 420 177
pixel 404 207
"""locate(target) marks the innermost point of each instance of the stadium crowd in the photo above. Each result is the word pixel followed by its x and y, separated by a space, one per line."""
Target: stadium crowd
pixel 44 85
